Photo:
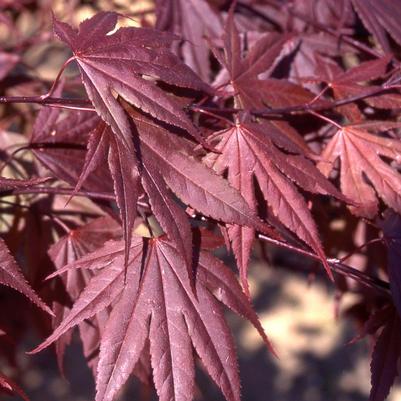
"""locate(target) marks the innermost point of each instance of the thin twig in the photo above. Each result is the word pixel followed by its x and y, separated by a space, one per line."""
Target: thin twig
pixel 65 191
pixel 55 83
pixel 45 100
pixel 302 108
pixel 336 265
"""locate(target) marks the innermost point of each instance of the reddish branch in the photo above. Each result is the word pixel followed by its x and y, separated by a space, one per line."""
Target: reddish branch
pixel 337 266
pixel 85 104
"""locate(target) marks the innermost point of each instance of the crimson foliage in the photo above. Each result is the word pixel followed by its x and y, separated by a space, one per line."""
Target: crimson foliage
pixel 228 123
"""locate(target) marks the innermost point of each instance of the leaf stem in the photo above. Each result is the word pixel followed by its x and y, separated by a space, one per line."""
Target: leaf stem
pixel 56 81
pixel 209 113
pixel 302 108
pixel 337 266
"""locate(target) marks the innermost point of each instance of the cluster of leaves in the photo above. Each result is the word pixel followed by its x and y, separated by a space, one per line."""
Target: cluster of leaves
pixel 225 124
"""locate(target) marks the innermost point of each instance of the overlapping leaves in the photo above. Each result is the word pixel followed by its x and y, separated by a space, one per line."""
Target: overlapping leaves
pixel 158 305
pixel 120 65
pixel 116 64
pixel 248 150
pixel 76 244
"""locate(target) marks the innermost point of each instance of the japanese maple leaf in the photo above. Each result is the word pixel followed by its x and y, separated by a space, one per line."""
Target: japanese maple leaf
pixel 168 166
pixel 248 152
pixel 359 154
pixel 119 65
pixel 116 64
pixel 250 91
pixel 158 305
pixel 192 20
pixel 67 249
pixel 345 84
pixel 244 72
pixel 11 276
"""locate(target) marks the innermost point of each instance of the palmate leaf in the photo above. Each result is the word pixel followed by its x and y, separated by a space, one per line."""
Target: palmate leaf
pixel 115 65
pixel 247 151
pixel 158 304
pixel 345 84
pixel 194 183
pixel 359 153
pixel 244 71
pixel 251 92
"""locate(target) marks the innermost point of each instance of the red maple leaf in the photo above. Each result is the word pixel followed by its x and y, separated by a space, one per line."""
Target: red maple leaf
pixel 158 303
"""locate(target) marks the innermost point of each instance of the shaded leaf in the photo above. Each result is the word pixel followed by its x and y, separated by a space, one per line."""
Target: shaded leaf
pixel 11 275
pixel 192 20
pixel 359 153
pixel 66 250
pixel 379 18
pixel 385 358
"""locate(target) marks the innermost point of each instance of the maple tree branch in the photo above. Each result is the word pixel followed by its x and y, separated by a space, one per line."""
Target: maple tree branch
pixel 302 108
pixel 81 104
pixel 50 101
pixel 58 191
pixel 65 191
pixel 337 266
pixel 360 247
pixel 305 108
pixel 209 113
